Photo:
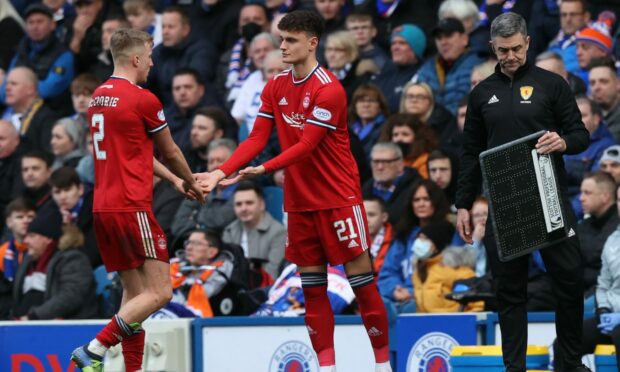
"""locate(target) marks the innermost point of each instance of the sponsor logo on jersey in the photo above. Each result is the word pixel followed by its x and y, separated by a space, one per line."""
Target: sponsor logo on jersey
pixel 283 102
pixel 321 113
pixel 431 353
pixel 493 99
pixel 526 92
pixel 161 116
pixel 293 356
pixel 295 120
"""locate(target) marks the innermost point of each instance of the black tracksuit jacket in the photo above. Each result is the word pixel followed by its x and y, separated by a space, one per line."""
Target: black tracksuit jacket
pixel 500 111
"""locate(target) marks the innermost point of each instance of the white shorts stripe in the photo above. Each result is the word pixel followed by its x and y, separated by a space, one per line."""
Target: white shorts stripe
pixel 145 238
pixel 142 234
pixel 360 226
pixel 149 235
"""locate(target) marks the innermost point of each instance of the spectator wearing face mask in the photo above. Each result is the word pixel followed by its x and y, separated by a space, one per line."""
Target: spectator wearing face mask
pixel 438 267
pixel 415 140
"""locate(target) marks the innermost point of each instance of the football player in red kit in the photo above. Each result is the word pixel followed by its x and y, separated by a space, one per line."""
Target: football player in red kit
pixel 326 221
pixel 125 120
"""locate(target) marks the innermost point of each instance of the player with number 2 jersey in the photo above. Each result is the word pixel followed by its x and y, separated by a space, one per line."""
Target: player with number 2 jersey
pixel 126 122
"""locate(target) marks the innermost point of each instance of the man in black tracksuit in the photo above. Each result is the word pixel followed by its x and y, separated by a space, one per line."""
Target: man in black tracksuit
pixel 517 100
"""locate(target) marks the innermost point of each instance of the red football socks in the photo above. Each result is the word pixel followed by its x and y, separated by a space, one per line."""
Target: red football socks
pixel 114 332
pixel 373 314
pixel 319 317
pixel 133 351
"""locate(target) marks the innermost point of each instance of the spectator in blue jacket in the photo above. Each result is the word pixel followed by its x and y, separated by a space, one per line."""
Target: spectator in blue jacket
pixel 428 203
pixel 573 17
pixel 588 161
pixel 448 73
pixel 594 42
pixel 408 43
pixel 178 50
pixel 41 51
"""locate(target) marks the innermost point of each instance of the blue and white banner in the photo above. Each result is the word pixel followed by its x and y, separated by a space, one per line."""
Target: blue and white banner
pixel 424 341
pixel 43 346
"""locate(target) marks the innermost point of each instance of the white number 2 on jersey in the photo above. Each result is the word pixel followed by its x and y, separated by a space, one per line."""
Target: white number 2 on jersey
pixel 342 226
pixel 97 122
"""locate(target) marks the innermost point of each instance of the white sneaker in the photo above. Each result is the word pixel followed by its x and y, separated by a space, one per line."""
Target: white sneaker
pixel 383 367
pixel 327 369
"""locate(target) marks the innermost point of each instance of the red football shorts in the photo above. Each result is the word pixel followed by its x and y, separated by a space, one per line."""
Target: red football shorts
pixel 126 239
pixel 330 235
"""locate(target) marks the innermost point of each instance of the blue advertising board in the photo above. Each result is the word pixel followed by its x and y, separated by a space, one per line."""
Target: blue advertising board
pixel 424 342
pixel 37 347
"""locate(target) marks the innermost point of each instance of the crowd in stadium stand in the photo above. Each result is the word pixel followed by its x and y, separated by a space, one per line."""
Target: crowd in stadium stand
pixel 406 66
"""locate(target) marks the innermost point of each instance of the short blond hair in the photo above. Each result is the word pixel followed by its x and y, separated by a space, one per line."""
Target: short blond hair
pixel 134 7
pixel 126 42
pixel 344 40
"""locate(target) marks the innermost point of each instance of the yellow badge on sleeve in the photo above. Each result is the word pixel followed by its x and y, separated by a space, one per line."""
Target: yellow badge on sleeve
pixel 59 70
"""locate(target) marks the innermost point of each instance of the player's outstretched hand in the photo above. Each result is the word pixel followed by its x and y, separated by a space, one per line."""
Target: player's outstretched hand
pixel 194 191
pixel 185 189
pixel 244 174
pixel 209 180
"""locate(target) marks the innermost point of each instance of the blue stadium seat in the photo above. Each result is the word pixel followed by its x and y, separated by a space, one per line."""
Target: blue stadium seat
pixel 274 201
pixel 244 132
pixel 102 279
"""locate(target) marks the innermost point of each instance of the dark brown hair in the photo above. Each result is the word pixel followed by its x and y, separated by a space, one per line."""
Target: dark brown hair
pixel 64 178
pixel 367 90
pixel 303 21
pixel 409 220
pixel 424 137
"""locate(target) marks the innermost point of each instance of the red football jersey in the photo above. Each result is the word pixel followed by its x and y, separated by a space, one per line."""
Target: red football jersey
pixel 122 119
pixel 325 176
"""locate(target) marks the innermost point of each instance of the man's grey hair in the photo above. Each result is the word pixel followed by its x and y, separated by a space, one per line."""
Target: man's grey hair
pixel 549 55
pixel 223 142
pixel 461 9
pixel 265 36
pixel 508 24
pixel 391 146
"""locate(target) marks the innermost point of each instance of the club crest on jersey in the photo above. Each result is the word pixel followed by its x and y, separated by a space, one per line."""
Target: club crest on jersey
pixel 161 116
pixel 526 92
pixel 321 113
pixel 306 102
pixel 161 242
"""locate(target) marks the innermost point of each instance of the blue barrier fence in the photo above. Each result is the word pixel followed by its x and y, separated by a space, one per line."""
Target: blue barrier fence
pixel 270 344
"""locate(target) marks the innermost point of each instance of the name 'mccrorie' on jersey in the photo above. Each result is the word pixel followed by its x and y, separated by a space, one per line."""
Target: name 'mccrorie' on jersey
pixel 122 118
